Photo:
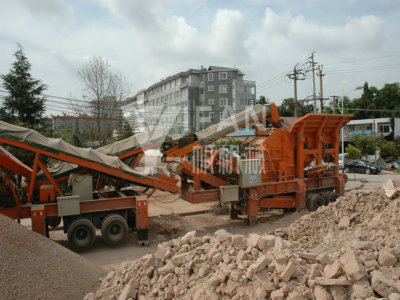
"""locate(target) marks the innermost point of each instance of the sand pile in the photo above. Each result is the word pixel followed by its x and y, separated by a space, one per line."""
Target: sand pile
pixel 34 267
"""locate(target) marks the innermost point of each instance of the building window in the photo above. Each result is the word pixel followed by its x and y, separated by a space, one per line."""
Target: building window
pixel 223 75
pixel 250 102
pixel 211 114
pixel 223 89
pixel 243 102
pixel 223 115
pixel 210 77
pixel 201 91
pixel 223 102
pixel 211 88
pixel 210 101
pixel 384 128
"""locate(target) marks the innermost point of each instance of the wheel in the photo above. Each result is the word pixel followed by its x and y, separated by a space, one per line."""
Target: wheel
pixel 332 196
pixel 346 170
pixel 325 195
pixel 233 212
pixel 53 221
pixel 308 200
pixel 315 202
pixel 82 233
pixel 367 171
pixel 114 229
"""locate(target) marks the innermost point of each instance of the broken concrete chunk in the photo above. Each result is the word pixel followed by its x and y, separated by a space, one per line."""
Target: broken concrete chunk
pixel 288 272
pixel 333 270
pixel 252 240
pixel 383 285
pixel 266 242
pixel 386 258
pixel 390 189
pixel 344 222
pixel 332 281
pixel 321 293
pixel 239 242
pixel 338 292
pixel 222 235
pixel 361 289
pixel 323 259
pixel 308 256
pixel 277 295
pixel 353 269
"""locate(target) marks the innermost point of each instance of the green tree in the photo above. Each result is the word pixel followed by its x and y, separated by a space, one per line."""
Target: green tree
pixel 388 149
pixel 25 102
pixel 67 135
pixel 286 109
pixel 366 144
pixel 353 152
pixel 262 100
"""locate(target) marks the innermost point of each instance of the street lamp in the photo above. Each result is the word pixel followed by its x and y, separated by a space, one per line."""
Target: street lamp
pixel 342 130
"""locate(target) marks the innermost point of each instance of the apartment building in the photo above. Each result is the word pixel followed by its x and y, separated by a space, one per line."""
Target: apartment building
pixel 194 99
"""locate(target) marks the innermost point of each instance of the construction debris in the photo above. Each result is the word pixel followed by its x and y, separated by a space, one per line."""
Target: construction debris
pixel 314 258
pixel 35 267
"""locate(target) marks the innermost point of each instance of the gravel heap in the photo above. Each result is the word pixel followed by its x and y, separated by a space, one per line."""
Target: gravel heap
pixel 348 250
pixel 34 267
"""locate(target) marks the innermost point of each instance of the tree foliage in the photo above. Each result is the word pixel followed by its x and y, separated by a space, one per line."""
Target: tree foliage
pixel 262 100
pixel 353 152
pixel 388 149
pixel 286 109
pixel 376 103
pixel 366 144
pixel 67 135
pixel 25 103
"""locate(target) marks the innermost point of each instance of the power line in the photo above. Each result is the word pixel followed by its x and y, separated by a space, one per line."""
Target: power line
pixel 362 59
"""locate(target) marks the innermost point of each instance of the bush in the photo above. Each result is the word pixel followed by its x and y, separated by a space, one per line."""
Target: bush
pixel 388 149
pixel 353 152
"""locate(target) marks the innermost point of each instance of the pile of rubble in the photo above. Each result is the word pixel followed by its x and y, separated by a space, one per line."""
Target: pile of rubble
pixel 348 250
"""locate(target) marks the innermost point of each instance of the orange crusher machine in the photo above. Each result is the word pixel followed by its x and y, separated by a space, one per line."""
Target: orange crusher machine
pixel 293 165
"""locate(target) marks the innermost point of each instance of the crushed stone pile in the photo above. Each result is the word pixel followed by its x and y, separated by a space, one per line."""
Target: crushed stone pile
pixel 34 267
pixel 347 250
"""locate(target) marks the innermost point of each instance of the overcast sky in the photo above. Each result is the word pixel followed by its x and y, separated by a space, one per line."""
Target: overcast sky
pixel 355 41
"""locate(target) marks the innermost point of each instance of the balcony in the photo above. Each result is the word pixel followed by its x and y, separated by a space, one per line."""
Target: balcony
pixel 249 82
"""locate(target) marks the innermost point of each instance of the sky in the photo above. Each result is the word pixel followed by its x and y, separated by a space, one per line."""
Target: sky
pixel 146 41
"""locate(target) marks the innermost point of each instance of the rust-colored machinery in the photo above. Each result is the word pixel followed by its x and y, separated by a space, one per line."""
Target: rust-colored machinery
pixel 293 164
pixel 289 166
pixel 45 201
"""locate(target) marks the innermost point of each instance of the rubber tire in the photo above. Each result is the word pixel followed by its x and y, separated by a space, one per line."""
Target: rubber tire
pixel 346 170
pixel 367 171
pixel 333 196
pixel 308 200
pixel 315 202
pixel 326 197
pixel 53 221
pixel 114 229
pixel 81 233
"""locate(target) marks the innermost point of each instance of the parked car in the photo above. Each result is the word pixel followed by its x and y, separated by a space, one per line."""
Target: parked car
pixel 360 166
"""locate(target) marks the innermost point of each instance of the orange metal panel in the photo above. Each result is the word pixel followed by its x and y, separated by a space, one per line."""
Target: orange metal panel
pixel 38 216
pixel 203 196
pixel 141 213
pixel 12 163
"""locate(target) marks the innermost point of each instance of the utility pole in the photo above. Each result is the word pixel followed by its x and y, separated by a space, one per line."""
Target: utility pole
pixel 313 78
pixel 335 98
pixel 321 93
pixel 295 77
